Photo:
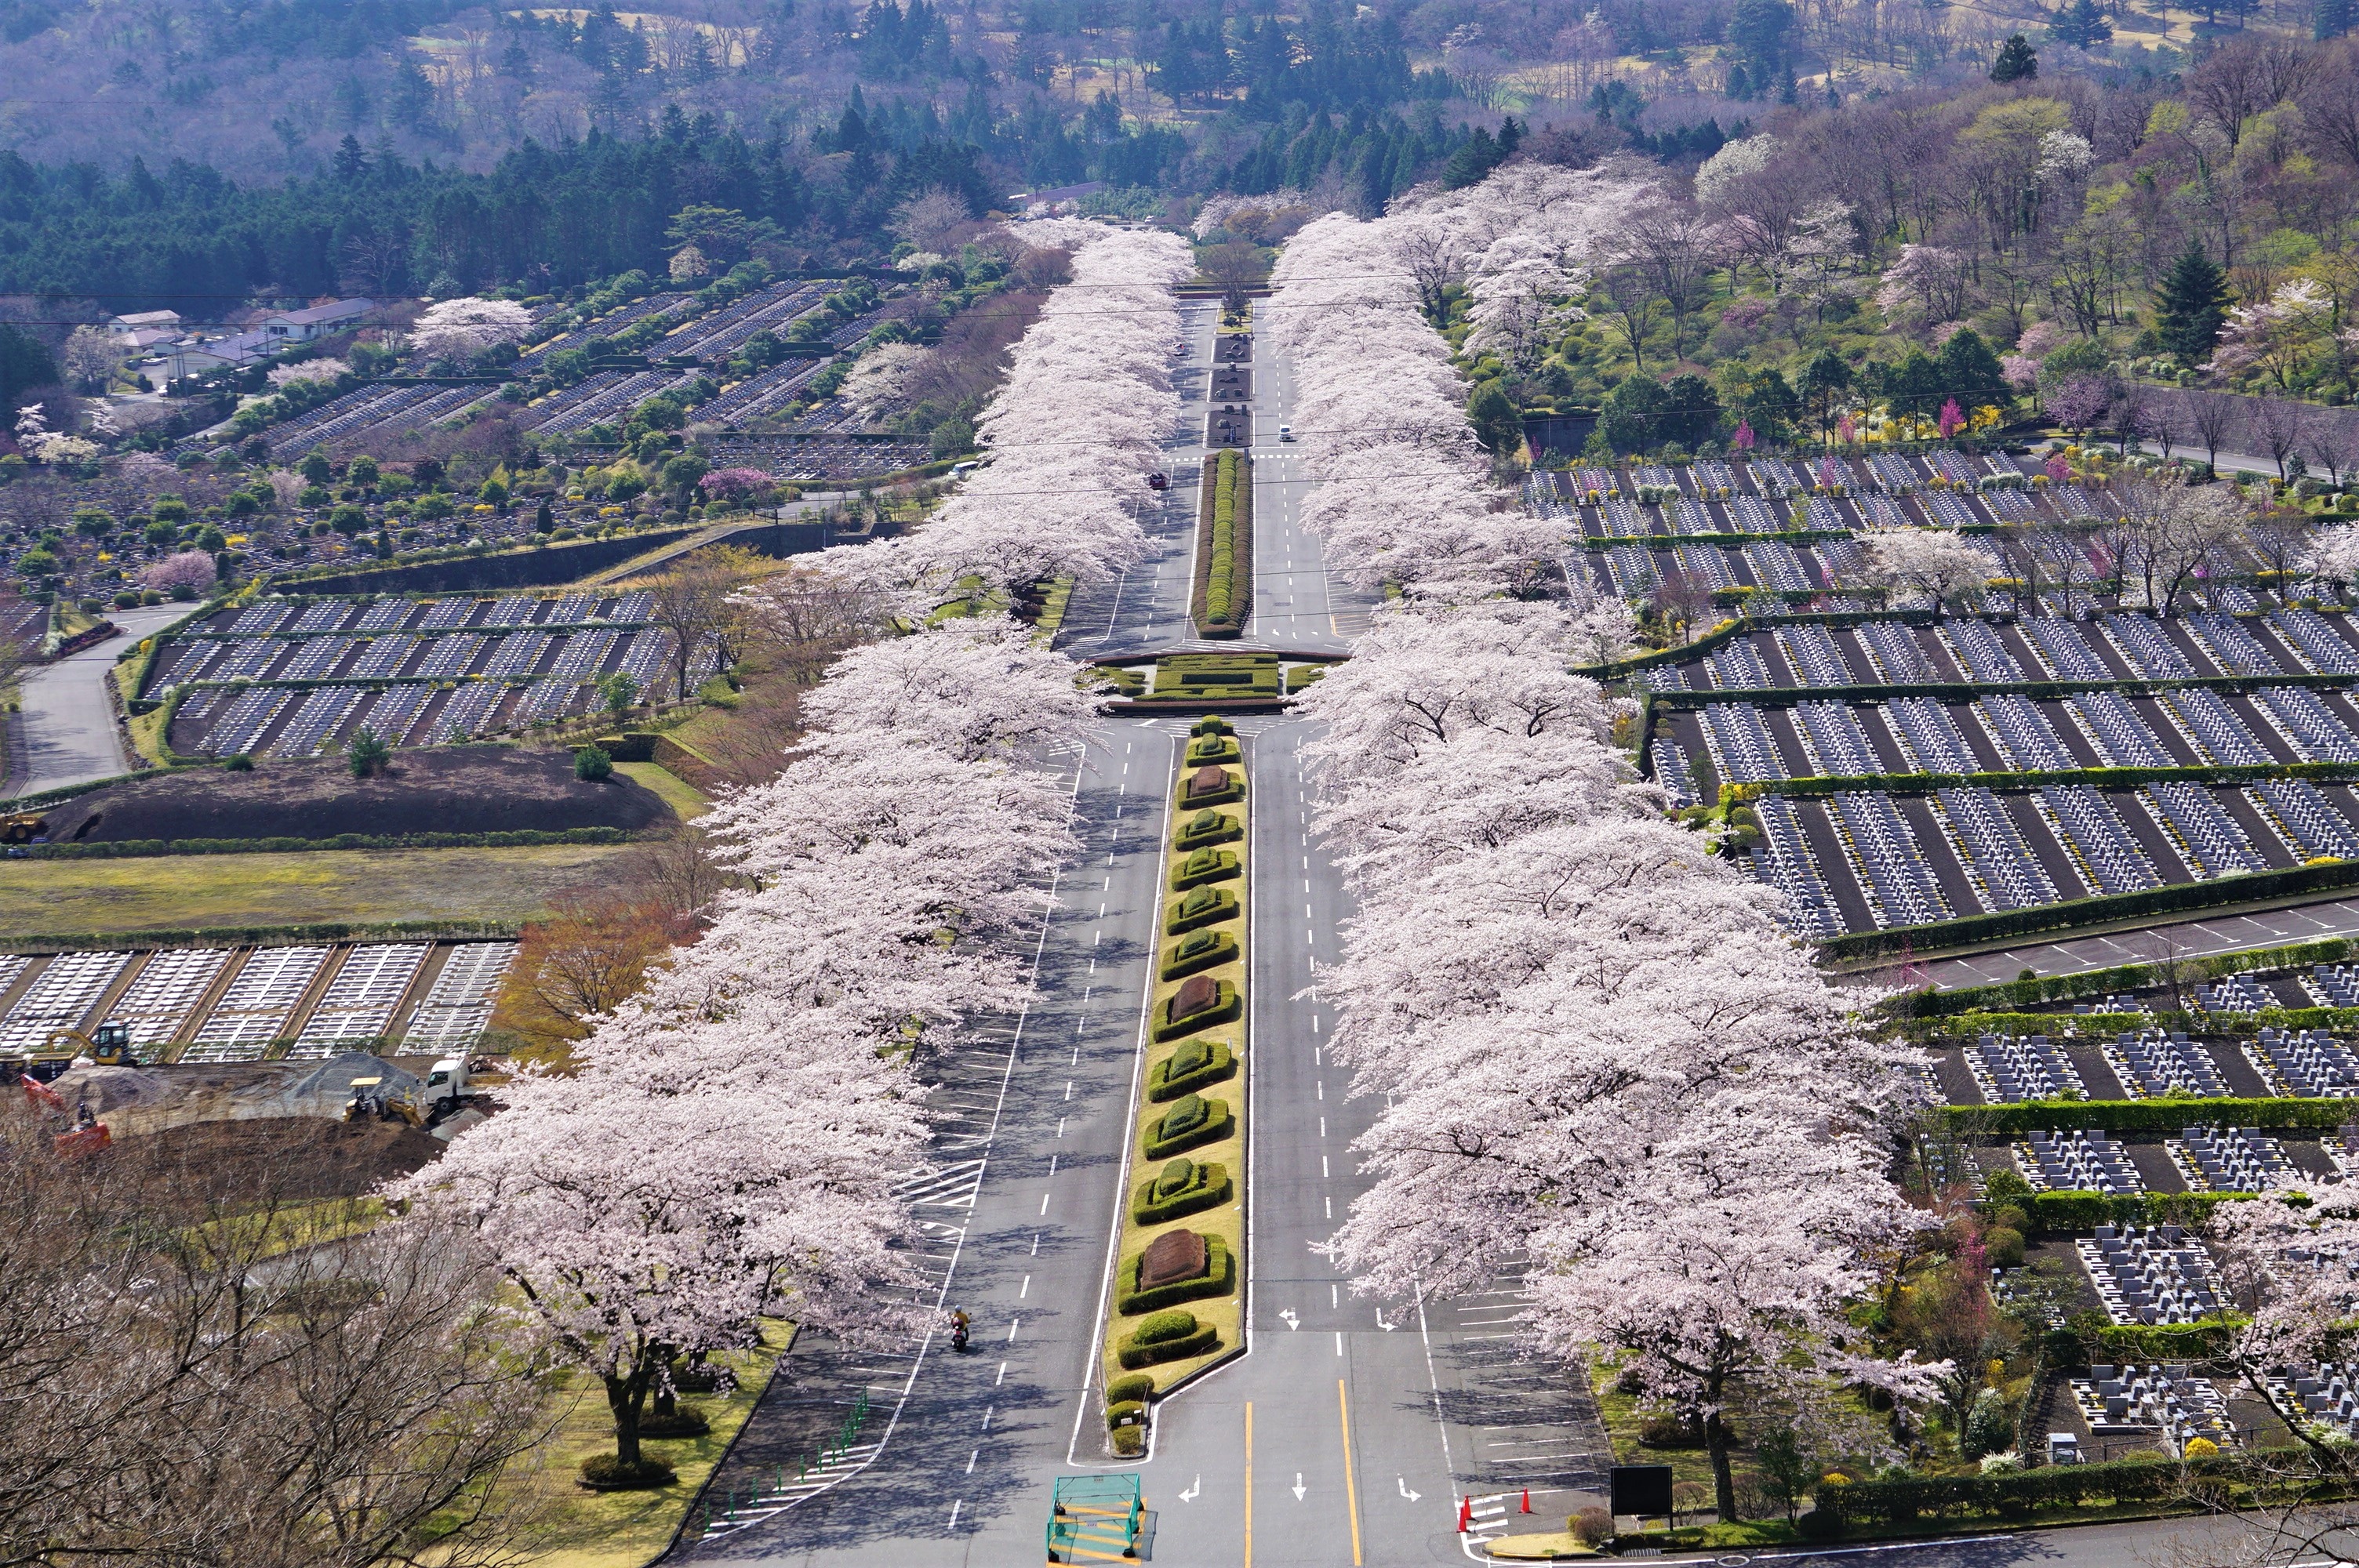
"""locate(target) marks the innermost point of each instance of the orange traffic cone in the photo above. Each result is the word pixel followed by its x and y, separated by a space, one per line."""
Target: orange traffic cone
pixel 1528 1499
pixel 1466 1515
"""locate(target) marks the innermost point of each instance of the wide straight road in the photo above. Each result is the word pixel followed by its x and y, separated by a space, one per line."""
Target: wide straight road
pixel 1145 609
pixel 66 731
pixel 1298 603
pixel 1018 1214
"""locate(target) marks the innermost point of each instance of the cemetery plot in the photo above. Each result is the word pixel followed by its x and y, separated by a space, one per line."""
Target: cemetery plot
pixel 2231 1160
pixel 165 992
pixel 2152 1274
pixel 360 1002
pixel 2169 1404
pixel 458 1007
pixel 60 996
pixel 256 1009
pixel 2079 1162
pixel 2307 1064
pixel 2008 1069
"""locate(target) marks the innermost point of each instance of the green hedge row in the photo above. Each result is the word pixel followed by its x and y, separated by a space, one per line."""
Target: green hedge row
pixel 1219 1278
pixel 1739 627
pixel 1969 1025
pixel 2015 1495
pixel 2096 778
pixel 2169 899
pixel 1226 572
pixel 133 848
pixel 2078 1214
pixel 1962 692
pixel 2166 1116
pixel 247 935
pixel 1198 950
pixel 2020 994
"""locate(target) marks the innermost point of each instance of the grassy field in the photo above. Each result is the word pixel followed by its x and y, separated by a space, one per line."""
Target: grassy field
pixel 581 1529
pixel 173 892
pixel 683 797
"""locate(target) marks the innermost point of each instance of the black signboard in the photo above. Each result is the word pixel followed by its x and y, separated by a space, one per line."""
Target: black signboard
pixel 1644 1490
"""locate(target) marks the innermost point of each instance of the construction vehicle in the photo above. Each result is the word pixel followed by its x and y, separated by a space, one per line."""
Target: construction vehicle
pixel 421 1107
pixel 88 1135
pixel 22 827
pixel 107 1047
pixel 371 1101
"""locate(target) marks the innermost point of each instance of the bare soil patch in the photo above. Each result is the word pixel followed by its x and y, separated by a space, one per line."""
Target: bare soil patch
pixel 455 789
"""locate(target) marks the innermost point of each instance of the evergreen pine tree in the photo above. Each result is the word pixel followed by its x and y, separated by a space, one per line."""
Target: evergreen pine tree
pixel 2018 61
pixel 2081 25
pixel 2190 306
pixel 2330 19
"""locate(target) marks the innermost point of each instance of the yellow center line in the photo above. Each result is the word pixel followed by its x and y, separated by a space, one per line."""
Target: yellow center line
pixel 1248 1563
pixel 1350 1483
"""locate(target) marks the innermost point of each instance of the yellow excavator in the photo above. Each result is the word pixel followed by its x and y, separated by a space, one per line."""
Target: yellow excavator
pixel 21 826
pixel 372 1102
pixel 109 1045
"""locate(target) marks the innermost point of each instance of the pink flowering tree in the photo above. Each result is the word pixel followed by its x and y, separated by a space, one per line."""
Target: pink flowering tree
pixel 1951 419
pixel 1847 429
pixel 1743 440
pixel 184 575
pixel 734 486
pixel 2080 403
pixel 2058 468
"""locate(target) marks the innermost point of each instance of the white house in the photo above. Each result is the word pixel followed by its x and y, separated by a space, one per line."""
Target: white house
pixel 319 321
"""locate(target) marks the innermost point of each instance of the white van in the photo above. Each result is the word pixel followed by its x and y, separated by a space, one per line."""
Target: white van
pixel 1285 432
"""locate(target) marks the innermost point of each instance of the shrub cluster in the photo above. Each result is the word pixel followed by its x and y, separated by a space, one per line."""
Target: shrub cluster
pixel 2017 1494
pixel 1203 866
pixel 1202 906
pixel 1193 1122
pixel 1197 1064
pixel 2031 993
pixel 1166 1336
pixel 1181 1188
pixel 1228 578
pixel 1207 827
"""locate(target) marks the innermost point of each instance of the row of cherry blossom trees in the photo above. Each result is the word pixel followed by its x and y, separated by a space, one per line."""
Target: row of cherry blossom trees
pixel 1599 1052
pixel 1077 426
pixel 729 1144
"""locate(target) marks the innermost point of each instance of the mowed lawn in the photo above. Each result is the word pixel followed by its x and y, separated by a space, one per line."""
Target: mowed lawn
pixel 168 893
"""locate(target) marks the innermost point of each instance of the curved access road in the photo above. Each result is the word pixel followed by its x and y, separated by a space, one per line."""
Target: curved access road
pixel 65 733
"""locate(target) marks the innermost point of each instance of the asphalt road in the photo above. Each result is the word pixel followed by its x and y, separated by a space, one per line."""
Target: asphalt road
pixel 1298 602
pixel 65 733
pixel 2190 939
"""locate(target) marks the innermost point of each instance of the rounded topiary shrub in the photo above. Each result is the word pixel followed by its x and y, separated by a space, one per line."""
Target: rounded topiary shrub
pixel 1127 1412
pixel 1134 1386
pixel 1163 1325
pixel 1130 1441
pixel 2002 1248
pixel 604 1473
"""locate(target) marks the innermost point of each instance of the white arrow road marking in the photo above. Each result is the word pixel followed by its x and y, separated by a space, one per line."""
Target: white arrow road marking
pixel 1291 1321
pixel 1387 1328
pixel 1195 1491
pixel 1298 1488
pixel 1404 1487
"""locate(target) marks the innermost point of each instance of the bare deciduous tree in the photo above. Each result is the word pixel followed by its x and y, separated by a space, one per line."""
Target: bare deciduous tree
pixel 178 1388
pixel 2213 416
pixel 2275 426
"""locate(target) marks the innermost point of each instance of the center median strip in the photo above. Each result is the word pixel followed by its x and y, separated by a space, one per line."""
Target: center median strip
pixel 1175 1306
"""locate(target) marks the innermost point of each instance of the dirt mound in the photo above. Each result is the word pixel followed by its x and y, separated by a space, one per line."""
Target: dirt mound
pixel 150 1099
pixel 294 1158
pixel 452 789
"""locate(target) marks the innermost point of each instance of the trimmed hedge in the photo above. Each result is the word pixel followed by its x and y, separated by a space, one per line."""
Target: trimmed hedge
pixel 1126 1412
pixel 2169 899
pixel 2164 1115
pixel 2078 1213
pixel 1203 866
pixel 1199 950
pixel 1220 748
pixel 1233 791
pixel 1205 828
pixel 247 935
pixel 1138 1386
pixel 1219 1278
pixel 1224 546
pixel 1929 1004
pixel 1171 1134
pixel 1226 1007
pixel 1209 1187
pixel 1132 1355
pixel 1195 911
pixel 1169 1079
pixel 2019 1493
pixel 135 848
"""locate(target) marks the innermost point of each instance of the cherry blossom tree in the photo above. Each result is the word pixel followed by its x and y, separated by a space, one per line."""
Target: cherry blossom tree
pixel 974 688
pixel 1936 562
pixel 880 380
pixel 191 569
pixel 308 370
pixel 2331 556
pixel 462 328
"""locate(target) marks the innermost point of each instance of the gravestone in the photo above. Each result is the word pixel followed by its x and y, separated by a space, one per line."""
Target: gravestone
pixel 1174 1255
